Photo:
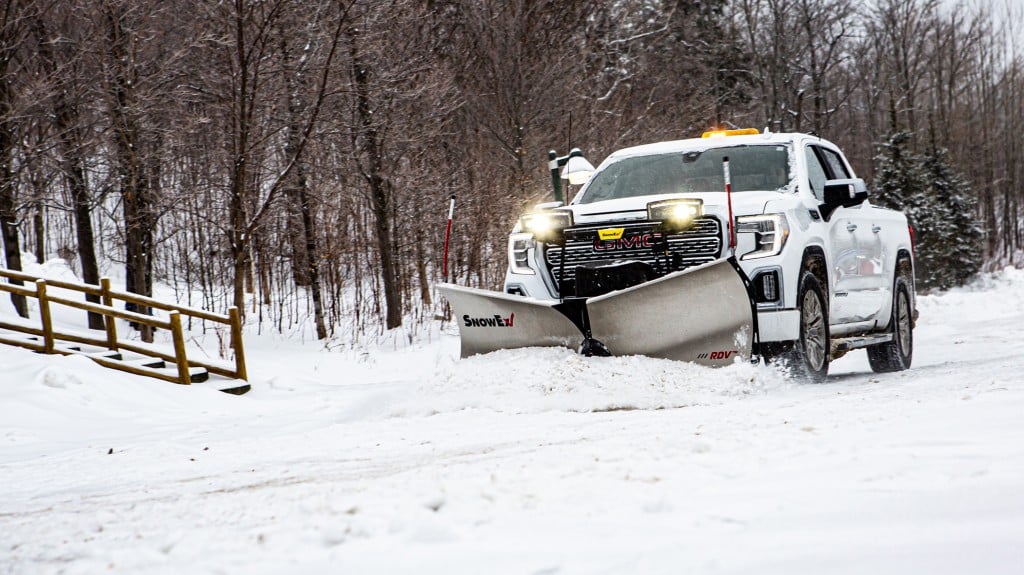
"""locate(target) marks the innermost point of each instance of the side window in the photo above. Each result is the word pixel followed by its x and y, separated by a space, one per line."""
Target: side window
pixel 835 163
pixel 815 173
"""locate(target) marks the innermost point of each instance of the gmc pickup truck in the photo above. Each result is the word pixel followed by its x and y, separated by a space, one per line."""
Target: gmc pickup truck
pixel 823 270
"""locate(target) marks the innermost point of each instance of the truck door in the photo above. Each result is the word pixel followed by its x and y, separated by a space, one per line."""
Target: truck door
pixel 846 227
pixel 872 292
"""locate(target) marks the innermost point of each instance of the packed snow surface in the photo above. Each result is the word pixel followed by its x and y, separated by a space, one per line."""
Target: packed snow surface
pixel 531 461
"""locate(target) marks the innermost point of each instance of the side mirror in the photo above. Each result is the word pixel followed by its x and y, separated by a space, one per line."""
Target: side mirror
pixel 843 193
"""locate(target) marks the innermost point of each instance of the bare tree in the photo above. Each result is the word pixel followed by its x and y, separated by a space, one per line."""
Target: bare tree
pixel 798 48
pixel 14 34
pixel 305 251
pixel 246 46
pixel 134 93
pixel 308 150
pixel 60 50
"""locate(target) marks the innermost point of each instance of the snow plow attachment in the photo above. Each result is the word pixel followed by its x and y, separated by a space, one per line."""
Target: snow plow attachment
pixel 489 321
pixel 703 314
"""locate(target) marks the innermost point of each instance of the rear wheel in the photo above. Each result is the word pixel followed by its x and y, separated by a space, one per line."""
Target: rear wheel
pixel 808 360
pixel 897 354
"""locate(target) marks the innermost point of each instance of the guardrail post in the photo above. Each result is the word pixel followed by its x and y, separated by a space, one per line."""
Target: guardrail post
pixel 109 320
pixel 180 359
pixel 236 343
pixel 44 315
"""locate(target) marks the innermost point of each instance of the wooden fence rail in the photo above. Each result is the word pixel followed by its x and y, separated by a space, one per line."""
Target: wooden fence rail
pixel 36 288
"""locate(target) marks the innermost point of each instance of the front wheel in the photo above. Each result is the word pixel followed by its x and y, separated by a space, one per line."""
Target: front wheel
pixel 897 354
pixel 808 360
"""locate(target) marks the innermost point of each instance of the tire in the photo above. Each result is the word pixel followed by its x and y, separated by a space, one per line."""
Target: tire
pixel 897 354
pixel 808 360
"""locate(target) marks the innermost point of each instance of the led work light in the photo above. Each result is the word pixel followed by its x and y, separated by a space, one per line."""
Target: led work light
pixel 547 226
pixel 675 215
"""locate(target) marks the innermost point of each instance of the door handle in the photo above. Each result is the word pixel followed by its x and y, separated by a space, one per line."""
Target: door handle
pixel 851 227
pixel 876 229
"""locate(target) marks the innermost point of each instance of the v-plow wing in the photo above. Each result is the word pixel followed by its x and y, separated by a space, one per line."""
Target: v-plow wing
pixel 703 314
pixel 490 321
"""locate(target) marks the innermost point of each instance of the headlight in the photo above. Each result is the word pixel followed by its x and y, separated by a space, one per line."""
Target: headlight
pixel 770 234
pixel 547 226
pixel 519 246
pixel 675 215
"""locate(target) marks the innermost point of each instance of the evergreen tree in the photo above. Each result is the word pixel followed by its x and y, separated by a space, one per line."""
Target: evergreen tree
pixel 902 184
pixel 956 247
pixel 939 206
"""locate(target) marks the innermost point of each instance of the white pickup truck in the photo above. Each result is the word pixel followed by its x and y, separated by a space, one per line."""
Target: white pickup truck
pixel 822 270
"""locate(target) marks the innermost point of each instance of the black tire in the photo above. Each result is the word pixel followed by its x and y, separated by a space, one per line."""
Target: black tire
pixel 897 354
pixel 808 360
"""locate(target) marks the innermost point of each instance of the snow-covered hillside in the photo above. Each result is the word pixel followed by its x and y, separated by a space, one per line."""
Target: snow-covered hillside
pixel 528 461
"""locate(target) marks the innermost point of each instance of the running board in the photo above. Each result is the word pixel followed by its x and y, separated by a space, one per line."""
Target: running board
pixel 845 344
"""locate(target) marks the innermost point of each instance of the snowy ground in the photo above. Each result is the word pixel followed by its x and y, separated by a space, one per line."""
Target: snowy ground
pixel 534 462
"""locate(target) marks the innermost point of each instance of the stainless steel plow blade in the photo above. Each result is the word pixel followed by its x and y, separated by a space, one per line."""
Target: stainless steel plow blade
pixel 490 320
pixel 703 314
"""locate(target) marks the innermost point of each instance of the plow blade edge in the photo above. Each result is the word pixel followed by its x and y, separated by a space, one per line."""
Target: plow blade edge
pixel 703 315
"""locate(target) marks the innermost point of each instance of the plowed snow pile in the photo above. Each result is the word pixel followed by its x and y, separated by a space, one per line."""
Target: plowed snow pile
pixel 554 379
pixel 527 461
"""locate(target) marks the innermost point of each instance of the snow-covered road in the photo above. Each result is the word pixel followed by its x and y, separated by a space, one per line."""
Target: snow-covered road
pixel 528 461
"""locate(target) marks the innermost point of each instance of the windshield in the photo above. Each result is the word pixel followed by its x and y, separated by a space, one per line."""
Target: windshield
pixel 753 168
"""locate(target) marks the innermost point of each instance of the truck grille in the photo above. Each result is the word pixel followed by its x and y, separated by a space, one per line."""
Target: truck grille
pixel 698 246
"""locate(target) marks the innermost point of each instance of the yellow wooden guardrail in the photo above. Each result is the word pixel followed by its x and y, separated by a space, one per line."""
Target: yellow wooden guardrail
pixel 37 288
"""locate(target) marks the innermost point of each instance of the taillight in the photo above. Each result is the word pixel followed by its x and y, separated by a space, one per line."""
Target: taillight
pixel 911 228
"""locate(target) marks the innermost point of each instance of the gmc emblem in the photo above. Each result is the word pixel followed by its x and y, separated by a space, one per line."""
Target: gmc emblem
pixel 632 242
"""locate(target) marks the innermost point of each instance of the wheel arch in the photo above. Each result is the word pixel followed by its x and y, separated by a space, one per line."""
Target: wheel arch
pixel 905 260
pixel 815 261
pixel 904 256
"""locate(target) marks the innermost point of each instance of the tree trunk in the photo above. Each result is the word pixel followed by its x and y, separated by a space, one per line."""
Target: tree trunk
pixel 39 227
pixel 314 264
pixel 421 261
pixel 305 259
pixel 74 173
pixel 133 182
pixel 72 162
pixel 9 226
pixel 237 236
pixel 8 206
pixel 380 187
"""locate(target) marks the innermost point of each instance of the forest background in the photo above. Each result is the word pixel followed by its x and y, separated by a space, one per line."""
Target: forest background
pixel 296 158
